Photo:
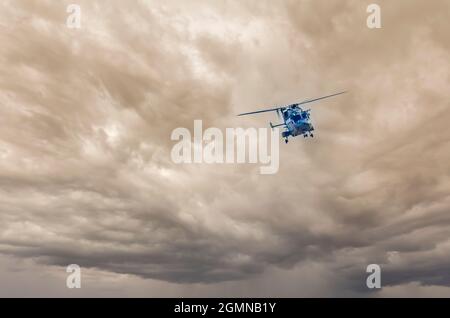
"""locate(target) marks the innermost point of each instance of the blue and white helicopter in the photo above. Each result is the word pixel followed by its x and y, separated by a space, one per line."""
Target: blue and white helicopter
pixel 296 120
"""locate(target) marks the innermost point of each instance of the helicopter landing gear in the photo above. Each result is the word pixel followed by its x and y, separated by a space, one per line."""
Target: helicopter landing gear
pixel 311 135
pixel 305 135
pixel 286 140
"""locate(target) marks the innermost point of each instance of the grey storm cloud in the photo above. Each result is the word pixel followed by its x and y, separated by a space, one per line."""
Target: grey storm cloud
pixel 86 117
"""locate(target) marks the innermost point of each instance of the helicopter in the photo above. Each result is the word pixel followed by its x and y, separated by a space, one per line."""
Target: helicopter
pixel 296 121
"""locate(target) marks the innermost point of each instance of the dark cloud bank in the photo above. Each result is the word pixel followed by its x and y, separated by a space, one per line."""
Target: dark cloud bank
pixel 86 117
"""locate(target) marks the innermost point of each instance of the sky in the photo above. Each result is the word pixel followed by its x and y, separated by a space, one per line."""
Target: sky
pixel 86 176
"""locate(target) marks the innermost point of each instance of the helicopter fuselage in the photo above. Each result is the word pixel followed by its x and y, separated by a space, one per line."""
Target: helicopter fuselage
pixel 297 122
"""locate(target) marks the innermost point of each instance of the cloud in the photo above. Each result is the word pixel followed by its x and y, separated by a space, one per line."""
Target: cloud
pixel 86 117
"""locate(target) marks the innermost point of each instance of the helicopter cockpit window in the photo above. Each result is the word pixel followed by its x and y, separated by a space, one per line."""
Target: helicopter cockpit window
pixel 297 117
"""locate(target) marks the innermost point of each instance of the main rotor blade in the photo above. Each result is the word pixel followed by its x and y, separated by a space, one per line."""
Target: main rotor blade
pixel 296 104
pixel 316 99
pixel 261 111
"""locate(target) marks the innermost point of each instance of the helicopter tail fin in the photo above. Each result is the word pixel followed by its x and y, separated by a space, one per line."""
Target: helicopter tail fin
pixel 277 125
